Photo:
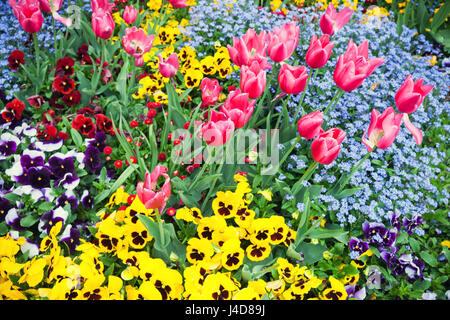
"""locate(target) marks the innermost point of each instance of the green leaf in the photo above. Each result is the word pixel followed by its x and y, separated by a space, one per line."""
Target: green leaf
pixel 46 206
pixel 122 178
pixel 440 16
pixel 422 16
pixel 76 137
pixel 312 252
pixel 326 233
pixel 415 245
pixel 28 221
pixel 428 258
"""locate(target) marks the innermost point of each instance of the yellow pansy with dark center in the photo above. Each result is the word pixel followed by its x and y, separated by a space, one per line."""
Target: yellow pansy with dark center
pixel 93 295
pixel 163 289
pixel 222 294
pixel 333 295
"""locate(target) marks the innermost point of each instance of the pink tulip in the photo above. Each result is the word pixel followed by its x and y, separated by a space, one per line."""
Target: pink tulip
pixel 353 67
pixel 169 67
pixel 29 14
pixel 292 79
pixel 50 6
pixel 130 14
pixel 331 21
pixel 102 4
pixel 283 41
pixel 250 47
pixel 411 94
pixel 326 147
pixel 238 107
pixel 253 80
pixel 383 129
pixel 218 129
pixel 210 91
pixel 136 43
pixel 102 23
pixel 147 191
pixel 309 126
pixel 178 3
pixel 319 51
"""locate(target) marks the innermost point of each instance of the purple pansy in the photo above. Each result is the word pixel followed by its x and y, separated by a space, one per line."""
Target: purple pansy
pixel 65 199
pixel 39 178
pixel 49 219
pixel 92 160
pixel 60 165
pixel 410 225
pixel 71 236
pixel 358 247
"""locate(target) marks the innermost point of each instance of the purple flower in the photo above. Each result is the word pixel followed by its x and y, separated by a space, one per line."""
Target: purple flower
pixel 392 262
pixel 61 165
pixel 39 178
pixel 410 225
pixel 378 234
pixel 5 206
pixel 395 221
pixel 413 267
pixel 28 161
pixel 63 200
pixel 99 141
pixel 69 182
pixel 92 159
pixel 71 236
pixel 7 148
pixel 13 220
pixel 49 219
pixel 355 294
pixel 86 200
pixel 358 246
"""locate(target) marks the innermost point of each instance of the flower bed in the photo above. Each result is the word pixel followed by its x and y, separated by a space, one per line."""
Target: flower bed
pixel 220 150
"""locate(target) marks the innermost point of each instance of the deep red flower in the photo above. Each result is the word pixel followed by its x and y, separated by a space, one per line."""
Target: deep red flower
pixel 153 105
pixel 63 84
pixel 48 132
pixel 36 101
pixel 63 135
pixel 84 125
pixel 151 113
pixel 48 116
pixel 162 157
pixel 65 66
pixel 83 56
pixel 148 121
pixel 72 98
pixel 16 58
pixel 104 123
pixel 107 150
pixel 118 163
pixel 13 110
pixel 134 123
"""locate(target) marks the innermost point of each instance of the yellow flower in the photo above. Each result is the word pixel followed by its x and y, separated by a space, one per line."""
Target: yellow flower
pixel 266 194
pixel 186 53
pixel 226 204
pixel 198 250
pixel 118 197
pixel 9 247
pixel 218 286
pixel 169 283
pixel 232 254
pixel 192 78
pixel 446 243
pixel 433 60
pixel 189 215
pixel 148 291
pixel 154 4
pixel 208 66
pixel 247 294
pixel 136 235
pixel 336 292
pixel 33 271
pixel 258 252
pixel 208 225
pixel 244 217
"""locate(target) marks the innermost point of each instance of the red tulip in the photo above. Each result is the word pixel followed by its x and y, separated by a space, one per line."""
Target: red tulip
pixel 253 80
pixel 218 129
pixel 383 129
pixel 411 94
pixel 353 67
pixel 147 190
pixel 325 148
pixel 292 79
pixel 250 47
pixel 319 51
pixel 29 14
pixel 238 108
pixel 283 41
pixel 331 21
pixel 210 91
pixel 169 67
pixel 102 23
pixel 309 126
pixel 130 14
pixel 136 43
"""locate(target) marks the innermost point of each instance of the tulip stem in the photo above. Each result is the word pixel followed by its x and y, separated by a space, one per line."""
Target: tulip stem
pixel 36 52
pixel 337 96
pixel 54 39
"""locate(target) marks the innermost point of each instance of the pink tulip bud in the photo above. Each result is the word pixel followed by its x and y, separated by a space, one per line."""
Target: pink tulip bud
pixel 238 108
pixel 178 3
pixel 292 79
pixel 102 23
pixel 29 14
pixel 319 51
pixel 309 126
pixel 331 21
pixel 253 80
pixel 250 47
pixel 210 91
pixel 283 41
pixel 169 67
pixel 411 94
pixel 326 147
pixel 130 14
pixel 353 67
pixel 147 191
pixel 383 129
pixel 217 131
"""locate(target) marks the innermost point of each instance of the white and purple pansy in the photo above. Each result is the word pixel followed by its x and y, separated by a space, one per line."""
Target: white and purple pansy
pixel 51 218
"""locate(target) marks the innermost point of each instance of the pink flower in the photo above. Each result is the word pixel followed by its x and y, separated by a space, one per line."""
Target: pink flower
pixel 102 4
pixel 353 67
pixel 136 43
pixel 283 41
pixel 218 129
pixel 292 79
pixel 102 23
pixel 130 14
pixel 250 47
pixel 210 91
pixel 29 14
pixel 319 51
pixel 411 94
pixel 148 193
pixel 326 147
pixel 168 68
pixel 309 126
pixel 253 80
pixel 331 21
pixel 383 129
pixel 238 108
pixel 178 3
pixel 50 5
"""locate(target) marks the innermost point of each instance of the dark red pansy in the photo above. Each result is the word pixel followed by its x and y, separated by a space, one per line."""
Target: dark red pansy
pixel 36 101
pixel 65 66
pixel 47 132
pixel 104 123
pixel 63 84
pixel 83 56
pixel 72 98
pixel 13 110
pixel 16 58
pixel 84 125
